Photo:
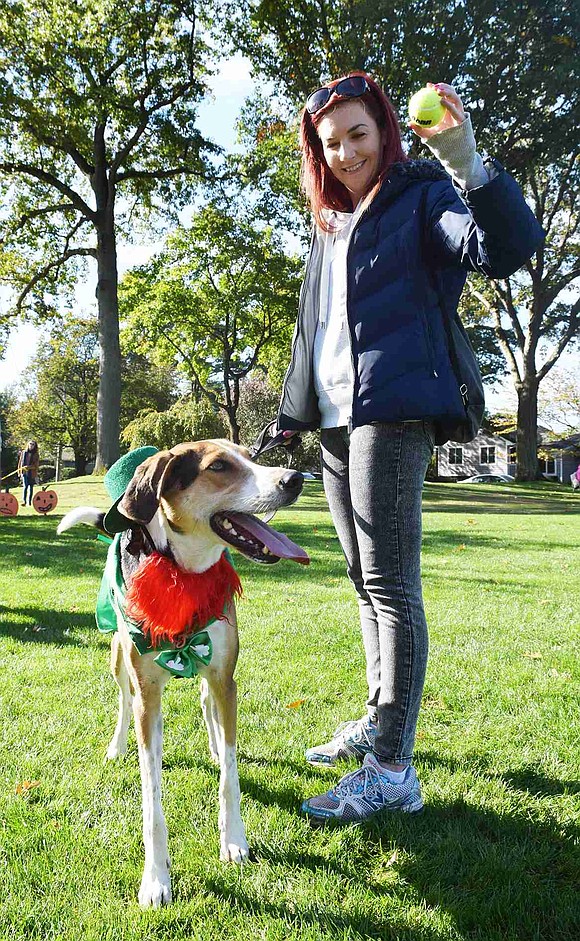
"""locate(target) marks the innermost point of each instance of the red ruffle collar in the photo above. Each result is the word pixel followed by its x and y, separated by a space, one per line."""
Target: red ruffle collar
pixel 171 604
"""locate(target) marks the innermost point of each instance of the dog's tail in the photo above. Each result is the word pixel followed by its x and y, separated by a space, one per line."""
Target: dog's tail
pixel 82 514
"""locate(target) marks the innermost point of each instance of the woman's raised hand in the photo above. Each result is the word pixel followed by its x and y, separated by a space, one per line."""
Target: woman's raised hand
pixel 454 111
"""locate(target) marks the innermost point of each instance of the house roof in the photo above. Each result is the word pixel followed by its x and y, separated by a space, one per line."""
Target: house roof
pixel 571 443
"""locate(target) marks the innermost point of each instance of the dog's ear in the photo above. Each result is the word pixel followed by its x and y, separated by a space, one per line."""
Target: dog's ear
pixel 140 500
pixel 155 478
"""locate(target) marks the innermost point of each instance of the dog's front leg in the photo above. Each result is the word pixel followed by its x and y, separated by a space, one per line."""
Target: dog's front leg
pixel 233 844
pixel 223 695
pixel 156 883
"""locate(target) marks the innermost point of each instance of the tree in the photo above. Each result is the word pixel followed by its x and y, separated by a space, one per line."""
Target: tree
pixel 259 401
pixel 8 445
pixel 215 304
pixel 61 393
pixel 186 420
pixel 60 403
pixel 536 313
pixel 515 66
pixel 559 403
pixel 97 123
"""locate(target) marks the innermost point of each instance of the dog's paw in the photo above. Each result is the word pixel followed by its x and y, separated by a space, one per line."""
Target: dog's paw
pixel 155 889
pixel 116 750
pixel 238 852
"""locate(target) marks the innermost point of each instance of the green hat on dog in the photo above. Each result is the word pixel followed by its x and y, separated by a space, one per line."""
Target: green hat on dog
pixel 116 481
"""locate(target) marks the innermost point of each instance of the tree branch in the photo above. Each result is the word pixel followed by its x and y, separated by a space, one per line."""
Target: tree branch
pixel 569 334
pixel 155 174
pixel 56 264
pixel 35 213
pixel 28 170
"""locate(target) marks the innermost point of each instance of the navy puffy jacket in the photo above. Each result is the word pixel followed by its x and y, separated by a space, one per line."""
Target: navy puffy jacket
pixel 416 241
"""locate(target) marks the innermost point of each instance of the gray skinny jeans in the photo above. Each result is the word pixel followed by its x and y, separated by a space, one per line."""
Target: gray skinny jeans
pixel 373 480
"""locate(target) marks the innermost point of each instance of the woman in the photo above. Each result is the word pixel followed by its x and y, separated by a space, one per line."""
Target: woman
pixel 28 461
pixel 370 367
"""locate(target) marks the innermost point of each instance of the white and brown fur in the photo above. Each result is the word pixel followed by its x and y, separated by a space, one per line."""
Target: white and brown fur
pixel 174 494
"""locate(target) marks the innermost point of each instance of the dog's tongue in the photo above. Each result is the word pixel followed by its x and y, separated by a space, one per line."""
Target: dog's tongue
pixel 277 543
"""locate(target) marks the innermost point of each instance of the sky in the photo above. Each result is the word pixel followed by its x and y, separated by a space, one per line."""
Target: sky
pixel 216 119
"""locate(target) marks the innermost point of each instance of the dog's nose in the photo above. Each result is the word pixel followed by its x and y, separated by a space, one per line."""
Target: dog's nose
pixel 291 482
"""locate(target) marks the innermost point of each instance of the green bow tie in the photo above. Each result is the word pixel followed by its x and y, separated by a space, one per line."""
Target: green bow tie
pixel 180 661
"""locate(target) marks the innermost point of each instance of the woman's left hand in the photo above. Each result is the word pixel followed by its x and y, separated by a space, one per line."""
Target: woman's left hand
pixel 454 111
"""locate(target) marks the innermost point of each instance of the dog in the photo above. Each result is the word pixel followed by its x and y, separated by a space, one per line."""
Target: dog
pixel 186 506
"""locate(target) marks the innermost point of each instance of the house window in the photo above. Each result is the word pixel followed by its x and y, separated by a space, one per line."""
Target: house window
pixel 487 455
pixel 456 455
pixel 512 454
pixel 548 466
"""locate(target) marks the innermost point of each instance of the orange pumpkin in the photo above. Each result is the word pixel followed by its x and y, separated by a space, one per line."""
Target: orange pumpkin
pixel 44 500
pixel 8 504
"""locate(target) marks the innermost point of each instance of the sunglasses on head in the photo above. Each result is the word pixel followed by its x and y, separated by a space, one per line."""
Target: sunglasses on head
pixel 352 87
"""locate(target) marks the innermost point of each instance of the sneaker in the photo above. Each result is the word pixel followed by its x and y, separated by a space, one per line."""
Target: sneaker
pixel 364 793
pixel 351 740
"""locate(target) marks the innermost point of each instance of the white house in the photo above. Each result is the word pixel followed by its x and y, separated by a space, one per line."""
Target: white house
pixel 496 454
pixel 486 454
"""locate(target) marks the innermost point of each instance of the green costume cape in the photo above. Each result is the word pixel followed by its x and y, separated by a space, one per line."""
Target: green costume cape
pixel 181 661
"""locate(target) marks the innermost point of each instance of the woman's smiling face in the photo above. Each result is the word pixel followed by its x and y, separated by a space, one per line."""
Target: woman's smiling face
pixel 352 145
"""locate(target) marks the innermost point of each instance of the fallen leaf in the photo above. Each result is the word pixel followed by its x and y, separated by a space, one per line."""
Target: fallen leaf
pixel 461 547
pixel 393 859
pixel 295 704
pixel 533 655
pixel 26 786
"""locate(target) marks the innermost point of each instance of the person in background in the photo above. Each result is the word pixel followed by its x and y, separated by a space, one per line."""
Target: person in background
pixel 575 479
pixel 370 366
pixel 28 461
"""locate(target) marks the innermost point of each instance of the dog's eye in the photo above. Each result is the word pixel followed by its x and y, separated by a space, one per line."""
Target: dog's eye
pixel 218 465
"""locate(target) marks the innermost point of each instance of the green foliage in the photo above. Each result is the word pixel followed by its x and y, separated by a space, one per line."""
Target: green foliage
pixel 46 472
pixel 98 101
pixel 270 164
pixel 186 420
pixel 109 100
pixel 219 300
pixel 60 391
pixel 514 64
pixel 9 455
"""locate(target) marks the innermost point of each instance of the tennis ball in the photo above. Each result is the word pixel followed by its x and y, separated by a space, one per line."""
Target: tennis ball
pixel 425 108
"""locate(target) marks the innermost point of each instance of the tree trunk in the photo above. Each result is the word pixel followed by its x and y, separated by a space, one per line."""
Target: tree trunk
pixel 527 431
pixel 109 395
pixel 80 464
pixel 58 468
pixel 234 427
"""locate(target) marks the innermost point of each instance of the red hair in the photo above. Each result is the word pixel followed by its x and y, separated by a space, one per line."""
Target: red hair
pixel 322 188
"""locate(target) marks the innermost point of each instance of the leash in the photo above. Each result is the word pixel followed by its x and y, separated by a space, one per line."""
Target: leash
pixel 267 441
pixel 18 471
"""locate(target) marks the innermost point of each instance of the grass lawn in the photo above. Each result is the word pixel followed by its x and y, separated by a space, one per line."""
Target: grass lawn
pixel 494 857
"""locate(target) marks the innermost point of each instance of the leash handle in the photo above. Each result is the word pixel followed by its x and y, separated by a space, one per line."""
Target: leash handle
pixel 267 441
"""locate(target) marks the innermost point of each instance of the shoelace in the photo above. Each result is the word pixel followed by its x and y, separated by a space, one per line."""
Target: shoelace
pixel 346 729
pixel 350 783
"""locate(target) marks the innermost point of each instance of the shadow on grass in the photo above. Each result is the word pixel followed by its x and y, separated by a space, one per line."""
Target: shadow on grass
pixel 44 626
pixel 496 876
pixel 32 542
